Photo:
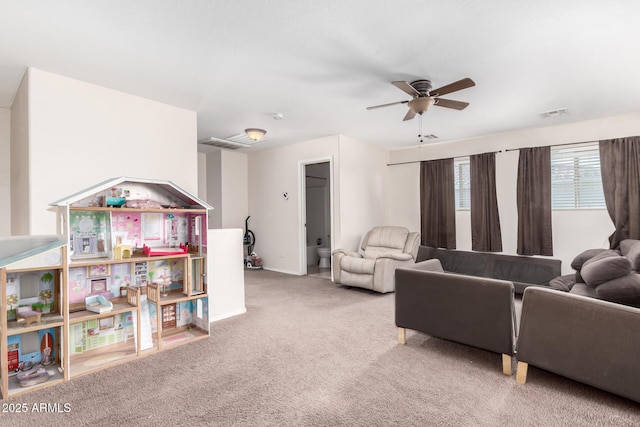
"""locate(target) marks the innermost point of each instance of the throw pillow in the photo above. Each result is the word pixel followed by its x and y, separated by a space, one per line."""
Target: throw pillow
pixel 623 290
pixel 582 257
pixel 604 269
pixel 631 249
pixel 563 283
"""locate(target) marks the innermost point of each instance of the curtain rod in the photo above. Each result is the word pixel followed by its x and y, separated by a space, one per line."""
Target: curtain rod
pixel 455 157
pixel 557 145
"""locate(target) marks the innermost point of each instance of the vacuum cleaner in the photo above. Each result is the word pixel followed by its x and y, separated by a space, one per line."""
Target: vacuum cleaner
pixel 251 260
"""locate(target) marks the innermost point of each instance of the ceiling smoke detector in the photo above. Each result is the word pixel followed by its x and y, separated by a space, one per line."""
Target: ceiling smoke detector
pixel 554 113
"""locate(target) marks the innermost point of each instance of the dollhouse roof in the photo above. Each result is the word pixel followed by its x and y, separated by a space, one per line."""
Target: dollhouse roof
pixel 165 189
pixel 18 248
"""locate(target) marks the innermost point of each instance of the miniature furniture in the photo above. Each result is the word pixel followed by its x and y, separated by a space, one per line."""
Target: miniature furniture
pixel 474 311
pixel 585 339
pixel 28 314
pixel 384 249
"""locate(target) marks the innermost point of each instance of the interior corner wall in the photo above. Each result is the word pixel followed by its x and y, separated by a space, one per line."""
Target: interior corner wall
pixel 274 219
pixel 214 188
pixel 5 172
pixel 573 230
pixel 202 176
pixel 19 154
pixel 81 134
pixel 363 191
pixel 227 188
pixel 235 187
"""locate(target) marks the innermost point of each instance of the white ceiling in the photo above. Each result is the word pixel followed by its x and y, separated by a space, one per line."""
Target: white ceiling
pixel 321 63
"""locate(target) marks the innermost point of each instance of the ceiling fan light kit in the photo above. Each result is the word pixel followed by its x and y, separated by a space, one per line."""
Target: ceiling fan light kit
pixel 423 97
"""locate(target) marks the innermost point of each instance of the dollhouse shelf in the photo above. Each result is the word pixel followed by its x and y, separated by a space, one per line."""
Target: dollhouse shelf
pixel 134 258
pixel 46 320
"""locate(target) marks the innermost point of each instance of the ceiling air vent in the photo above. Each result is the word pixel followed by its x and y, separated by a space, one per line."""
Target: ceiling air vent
pixel 554 113
pixel 231 143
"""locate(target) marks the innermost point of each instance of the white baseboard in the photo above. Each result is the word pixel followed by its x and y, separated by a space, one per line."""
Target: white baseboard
pixel 295 273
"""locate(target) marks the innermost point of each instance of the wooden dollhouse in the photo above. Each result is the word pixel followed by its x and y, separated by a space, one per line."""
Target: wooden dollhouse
pixel 124 277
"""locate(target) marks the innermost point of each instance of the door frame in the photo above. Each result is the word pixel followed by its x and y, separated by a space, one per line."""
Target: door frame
pixel 302 209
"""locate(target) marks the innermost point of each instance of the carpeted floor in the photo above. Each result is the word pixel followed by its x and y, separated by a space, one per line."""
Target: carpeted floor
pixel 310 353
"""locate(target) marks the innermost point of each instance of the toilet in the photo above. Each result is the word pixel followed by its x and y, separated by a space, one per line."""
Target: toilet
pixel 325 257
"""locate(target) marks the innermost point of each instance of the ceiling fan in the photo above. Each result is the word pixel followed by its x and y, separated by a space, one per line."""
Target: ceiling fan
pixel 424 97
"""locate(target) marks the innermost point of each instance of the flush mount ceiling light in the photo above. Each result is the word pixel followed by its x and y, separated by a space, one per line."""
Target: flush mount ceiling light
pixel 255 134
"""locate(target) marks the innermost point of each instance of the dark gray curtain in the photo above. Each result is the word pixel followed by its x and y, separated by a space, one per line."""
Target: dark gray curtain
pixel 534 202
pixel 485 220
pixel 437 204
pixel 620 166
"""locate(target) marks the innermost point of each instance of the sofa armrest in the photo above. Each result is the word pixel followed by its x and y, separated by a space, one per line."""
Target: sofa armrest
pixel 469 310
pixel 346 252
pixel 588 340
pixel 428 265
pixel 396 256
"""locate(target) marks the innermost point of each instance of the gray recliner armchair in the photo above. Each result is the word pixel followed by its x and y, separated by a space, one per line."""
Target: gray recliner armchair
pixel 384 249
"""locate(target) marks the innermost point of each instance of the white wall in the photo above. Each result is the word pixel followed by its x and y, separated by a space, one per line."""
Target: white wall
pixel 226 273
pixel 274 220
pixel 5 172
pixel 363 191
pixel 20 167
pixel 81 134
pixel 573 231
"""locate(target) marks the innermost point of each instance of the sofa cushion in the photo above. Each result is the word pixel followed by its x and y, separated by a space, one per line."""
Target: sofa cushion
pixel 583 290
pixel 630 248
pixel 563 283
pixel 623 290
pixel 604 269
pixel 582 257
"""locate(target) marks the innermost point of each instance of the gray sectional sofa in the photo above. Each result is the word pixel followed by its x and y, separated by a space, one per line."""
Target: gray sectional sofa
pixel 586 339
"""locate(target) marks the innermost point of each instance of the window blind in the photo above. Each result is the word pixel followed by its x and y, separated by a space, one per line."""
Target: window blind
pixel 462 177
pixel 576 182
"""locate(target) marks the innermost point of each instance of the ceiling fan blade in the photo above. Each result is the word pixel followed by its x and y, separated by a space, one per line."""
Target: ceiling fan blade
pixel 453 87
pixel 386 105
pixel 449 103
pixel 406 87
pixel 410 115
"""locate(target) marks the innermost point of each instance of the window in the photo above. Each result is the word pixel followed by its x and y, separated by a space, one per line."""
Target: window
pixel 462 176
pixel 576 182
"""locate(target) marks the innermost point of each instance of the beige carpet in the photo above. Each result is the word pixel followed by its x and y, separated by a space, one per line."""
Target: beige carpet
pixel 310 353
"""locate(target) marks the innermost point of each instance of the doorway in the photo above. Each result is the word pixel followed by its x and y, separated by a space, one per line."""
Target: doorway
pixel 316 197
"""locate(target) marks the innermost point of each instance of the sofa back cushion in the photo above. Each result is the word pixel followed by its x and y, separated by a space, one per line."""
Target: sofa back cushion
pixel 520 270
pixel 381 240
pixel 631 249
